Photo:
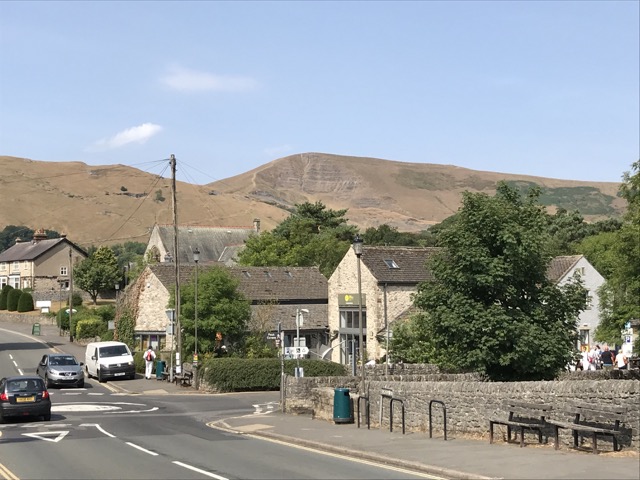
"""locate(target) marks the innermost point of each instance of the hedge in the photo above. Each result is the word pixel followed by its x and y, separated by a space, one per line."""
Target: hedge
pixel 259 374
pixel 12 299
pixel 25 302
pixel 90 328
pixel 4 295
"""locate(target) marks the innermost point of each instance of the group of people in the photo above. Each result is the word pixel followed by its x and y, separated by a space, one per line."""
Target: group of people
pixel 597 358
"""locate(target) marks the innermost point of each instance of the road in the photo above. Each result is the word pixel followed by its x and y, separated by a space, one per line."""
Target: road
pixel 96 433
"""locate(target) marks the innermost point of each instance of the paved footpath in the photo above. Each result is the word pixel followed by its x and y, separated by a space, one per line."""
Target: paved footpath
pixel 455 458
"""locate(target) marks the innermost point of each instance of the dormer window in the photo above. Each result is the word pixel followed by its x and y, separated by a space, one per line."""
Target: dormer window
pixel 246 274
pixel 390 263
pixel 267 273
pixel 288 274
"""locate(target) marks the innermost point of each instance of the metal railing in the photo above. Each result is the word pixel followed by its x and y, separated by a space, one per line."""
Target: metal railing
pixel 444 410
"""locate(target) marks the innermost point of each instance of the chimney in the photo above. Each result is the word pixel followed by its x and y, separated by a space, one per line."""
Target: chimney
pixel 39 235
pixel 256 225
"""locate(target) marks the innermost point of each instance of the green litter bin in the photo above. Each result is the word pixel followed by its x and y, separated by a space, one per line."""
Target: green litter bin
pixel 342 406
pixel 160 367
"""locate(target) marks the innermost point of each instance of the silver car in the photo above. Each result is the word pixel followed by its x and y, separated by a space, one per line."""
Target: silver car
pixel 61 370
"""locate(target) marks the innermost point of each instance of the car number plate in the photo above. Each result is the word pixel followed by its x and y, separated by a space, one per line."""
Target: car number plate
pixel 25 399
pixel 118 374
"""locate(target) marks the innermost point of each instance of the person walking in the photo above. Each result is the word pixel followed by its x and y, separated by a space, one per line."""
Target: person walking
pixel 149 357
pixel 607 358
pixel 621 360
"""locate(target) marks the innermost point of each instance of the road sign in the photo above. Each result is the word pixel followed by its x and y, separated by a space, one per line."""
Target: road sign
pixel 296 351
pixel 272 335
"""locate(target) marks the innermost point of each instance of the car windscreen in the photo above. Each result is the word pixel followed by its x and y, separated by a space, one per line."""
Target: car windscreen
pixel 63 361
pixel 114 351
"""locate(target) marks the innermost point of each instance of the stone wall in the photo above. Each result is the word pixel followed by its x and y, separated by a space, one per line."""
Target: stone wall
pixel 27 318
pixel 469 404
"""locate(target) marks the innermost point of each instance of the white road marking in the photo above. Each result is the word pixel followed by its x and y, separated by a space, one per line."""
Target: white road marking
pixel 199 470
pixel 99 428
pixel 6 473
pixel 43 435
pixel 142 449
pixel 72 393
pixel 96 394
pixel 11 356
pixel 83 407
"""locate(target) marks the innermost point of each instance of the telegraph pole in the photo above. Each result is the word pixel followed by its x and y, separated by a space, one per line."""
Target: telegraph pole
pixel 176 262
pixel 70 291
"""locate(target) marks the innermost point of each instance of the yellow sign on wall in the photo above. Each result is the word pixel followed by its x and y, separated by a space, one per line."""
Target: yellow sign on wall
pixel 351 299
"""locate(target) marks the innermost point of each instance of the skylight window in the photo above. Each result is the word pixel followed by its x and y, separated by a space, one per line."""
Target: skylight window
pixel 267 273
pixel 390 263
pixel 246 274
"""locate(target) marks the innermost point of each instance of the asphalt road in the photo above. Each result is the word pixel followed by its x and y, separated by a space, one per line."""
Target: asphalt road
pixel 98 434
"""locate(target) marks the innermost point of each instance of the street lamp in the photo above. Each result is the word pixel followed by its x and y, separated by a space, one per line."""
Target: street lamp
pixel 299 321
pixel 357 249
pixel 196 258
pixel 171 315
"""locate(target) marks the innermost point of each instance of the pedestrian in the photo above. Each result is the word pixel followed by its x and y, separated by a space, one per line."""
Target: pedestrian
pixel 621 360
pixel 607 358
pixel 149 357
pixel 592 357
pixel 586 358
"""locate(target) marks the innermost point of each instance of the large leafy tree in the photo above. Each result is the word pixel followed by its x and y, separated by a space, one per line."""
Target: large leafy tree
pixel 97 273
pixel 620 296
pixel 311 236
pixel 10 233
pixel 221 308
pixel 490 307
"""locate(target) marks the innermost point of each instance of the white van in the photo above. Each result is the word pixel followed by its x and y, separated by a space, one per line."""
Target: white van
pixel 105 360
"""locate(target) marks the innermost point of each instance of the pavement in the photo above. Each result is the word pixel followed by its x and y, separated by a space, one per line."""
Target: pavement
pixel 459 456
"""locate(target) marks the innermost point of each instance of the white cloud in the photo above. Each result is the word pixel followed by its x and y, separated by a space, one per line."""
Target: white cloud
pixel 139 134
pixel 279 151
pixel 191 81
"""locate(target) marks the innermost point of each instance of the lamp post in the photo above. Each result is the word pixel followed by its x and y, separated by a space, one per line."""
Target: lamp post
pixel 299 321
pixel 196 258
pixel 357 249
pixel 171 314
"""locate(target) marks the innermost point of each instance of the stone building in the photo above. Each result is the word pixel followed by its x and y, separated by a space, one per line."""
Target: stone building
pixel 391 275
pixel 42 264
pixel 216 244
pixel 276 295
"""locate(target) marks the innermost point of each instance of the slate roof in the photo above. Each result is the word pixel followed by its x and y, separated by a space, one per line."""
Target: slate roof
pixel 211 241
pixel 29 251
pixel 291 287
pixel 260 284
pixel 560 266
pixel 411 263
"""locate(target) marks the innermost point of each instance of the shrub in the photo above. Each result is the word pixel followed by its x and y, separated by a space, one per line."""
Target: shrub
pixel 62 320
pixel 12 299
pixel 76 300
pixel 107 336
pixel 106 313
pixel 90 328
pixel 25 302
pixel 244 374
pixel 4 295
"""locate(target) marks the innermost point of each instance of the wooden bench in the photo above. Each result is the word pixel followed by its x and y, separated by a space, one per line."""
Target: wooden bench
pixel 185 376
pixel 604 421
pixel 522 416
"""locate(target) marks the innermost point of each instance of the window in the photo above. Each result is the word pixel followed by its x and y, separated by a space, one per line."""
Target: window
pixel 584 337
pixel 246 274
pixel 349 319
pixel 14 281
pixel 25 265
pixel 390 263
pixel 288 274
pixel 63 270
pixel 3 266
pixel 589 299
pixel 580 271
pixel 16 265
pixel 267 273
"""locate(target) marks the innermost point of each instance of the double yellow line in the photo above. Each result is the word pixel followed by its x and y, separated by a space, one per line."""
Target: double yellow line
pixel 6 473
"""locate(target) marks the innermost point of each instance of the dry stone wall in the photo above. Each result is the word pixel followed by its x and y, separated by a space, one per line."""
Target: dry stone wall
pixel 469 404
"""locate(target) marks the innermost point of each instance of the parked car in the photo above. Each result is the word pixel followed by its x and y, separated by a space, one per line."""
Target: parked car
pixel 24 396
pixel 105 360
pixel 61 369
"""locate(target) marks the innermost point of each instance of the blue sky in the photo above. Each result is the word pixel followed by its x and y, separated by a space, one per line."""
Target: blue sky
pixel 546 88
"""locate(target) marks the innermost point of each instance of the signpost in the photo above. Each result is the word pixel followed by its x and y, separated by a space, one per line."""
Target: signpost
pixel 296 351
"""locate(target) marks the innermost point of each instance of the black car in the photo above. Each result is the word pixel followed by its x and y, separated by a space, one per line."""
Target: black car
pixel 24 396
pixel 61 369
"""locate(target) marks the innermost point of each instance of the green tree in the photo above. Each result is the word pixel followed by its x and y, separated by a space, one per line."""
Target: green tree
pixel 10 233
pixel 491 308
pixel 387 235
pixel 311 236
pixel 97 273
pixel 221 308
pixel 620 296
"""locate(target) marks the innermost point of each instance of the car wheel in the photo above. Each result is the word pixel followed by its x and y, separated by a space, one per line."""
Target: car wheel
pixel 47 418
pixel 47 382
pixel 100 379
pixel 86 369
